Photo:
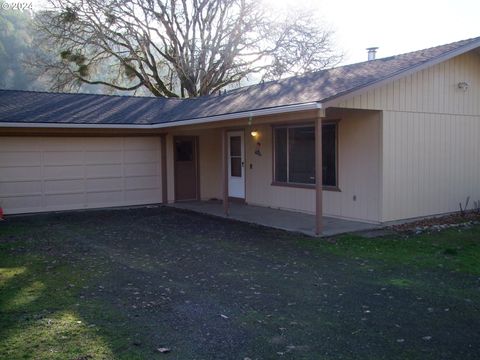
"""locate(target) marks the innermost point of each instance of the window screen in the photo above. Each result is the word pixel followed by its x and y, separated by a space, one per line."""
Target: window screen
pixel 294 153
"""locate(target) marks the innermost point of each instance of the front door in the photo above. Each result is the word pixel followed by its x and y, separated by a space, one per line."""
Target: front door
pixel 186 168
pixel 236 165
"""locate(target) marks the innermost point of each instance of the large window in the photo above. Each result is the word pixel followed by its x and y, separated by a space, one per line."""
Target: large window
pixel 294 153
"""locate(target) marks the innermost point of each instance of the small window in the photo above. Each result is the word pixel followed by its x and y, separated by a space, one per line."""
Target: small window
pixel 329 152
pixel 235 156
pixel 281 158
pixel 294 154
pixel 184 150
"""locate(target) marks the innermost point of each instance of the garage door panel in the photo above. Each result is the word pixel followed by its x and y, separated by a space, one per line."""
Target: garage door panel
pixel 147 169
pixel 63 158
pixel 140 143
pixel 143 195
pixel 142 182
pixel 105 197
pixel 136 156
pixel 104 171
pixel 27 144
pixel 105 184
pixel 9 188
pixel 64 201
pixel 61 173
pixel 64 144
pixel 19 158
pixel 104 144
pixel 22 204
pixel 103 157
pixel 54 186
pixel 20 173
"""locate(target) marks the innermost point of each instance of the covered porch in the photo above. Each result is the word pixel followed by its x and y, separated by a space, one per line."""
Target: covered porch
pixel 276 218
pixel 263 169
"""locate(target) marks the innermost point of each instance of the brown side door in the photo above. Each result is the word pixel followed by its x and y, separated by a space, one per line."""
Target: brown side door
pixel 186 168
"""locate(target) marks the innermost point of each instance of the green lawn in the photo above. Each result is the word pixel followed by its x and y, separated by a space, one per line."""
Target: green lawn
pixel 41 315
pixel 46 313
pixel 454 249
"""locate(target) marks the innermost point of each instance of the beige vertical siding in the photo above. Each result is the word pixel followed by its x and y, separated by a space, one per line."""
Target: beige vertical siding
pixel 210 164
pixel 62 173
pixel 359 174
pixel 431 163
pixel 431 132
pixel 433 90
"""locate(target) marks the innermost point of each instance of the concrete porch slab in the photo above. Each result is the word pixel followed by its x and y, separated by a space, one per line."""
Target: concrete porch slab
pixel 275 218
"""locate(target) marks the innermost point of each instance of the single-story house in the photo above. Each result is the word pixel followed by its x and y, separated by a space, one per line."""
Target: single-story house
pixel 390 139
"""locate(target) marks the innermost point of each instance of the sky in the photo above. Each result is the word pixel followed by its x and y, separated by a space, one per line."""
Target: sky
pixel 394 27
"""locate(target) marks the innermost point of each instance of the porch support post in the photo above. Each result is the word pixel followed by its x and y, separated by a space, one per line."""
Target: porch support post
pixel 163 167
pixel 225 170
pixel 318 172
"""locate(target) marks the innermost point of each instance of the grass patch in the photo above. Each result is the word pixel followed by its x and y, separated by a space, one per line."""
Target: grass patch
pixel 10 230
pixel 43 315
pixel 453 249
pixel 7 274
pixel 401 282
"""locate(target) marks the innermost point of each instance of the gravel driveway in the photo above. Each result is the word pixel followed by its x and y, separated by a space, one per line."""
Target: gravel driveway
pixel 210 288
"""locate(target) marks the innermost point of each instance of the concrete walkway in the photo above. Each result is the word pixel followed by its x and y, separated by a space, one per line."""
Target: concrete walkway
pixel 280 219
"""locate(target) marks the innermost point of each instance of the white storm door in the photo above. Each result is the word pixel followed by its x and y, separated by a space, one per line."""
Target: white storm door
pixel 236 165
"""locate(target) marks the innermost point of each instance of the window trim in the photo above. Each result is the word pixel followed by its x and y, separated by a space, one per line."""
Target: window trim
pixel 300 185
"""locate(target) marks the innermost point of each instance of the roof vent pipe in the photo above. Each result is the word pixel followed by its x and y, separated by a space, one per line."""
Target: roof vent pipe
pixel 372 51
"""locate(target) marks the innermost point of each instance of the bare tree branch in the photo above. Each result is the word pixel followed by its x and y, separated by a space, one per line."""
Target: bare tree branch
pixel 175 48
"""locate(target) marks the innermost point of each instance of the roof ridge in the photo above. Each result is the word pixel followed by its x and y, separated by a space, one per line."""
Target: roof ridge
pixel 458 45
pixel 466 41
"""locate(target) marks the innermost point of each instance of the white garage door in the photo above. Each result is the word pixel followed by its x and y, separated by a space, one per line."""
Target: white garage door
pixel 62 173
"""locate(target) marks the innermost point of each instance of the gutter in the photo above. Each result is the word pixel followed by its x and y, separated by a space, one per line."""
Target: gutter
pixel 203 120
